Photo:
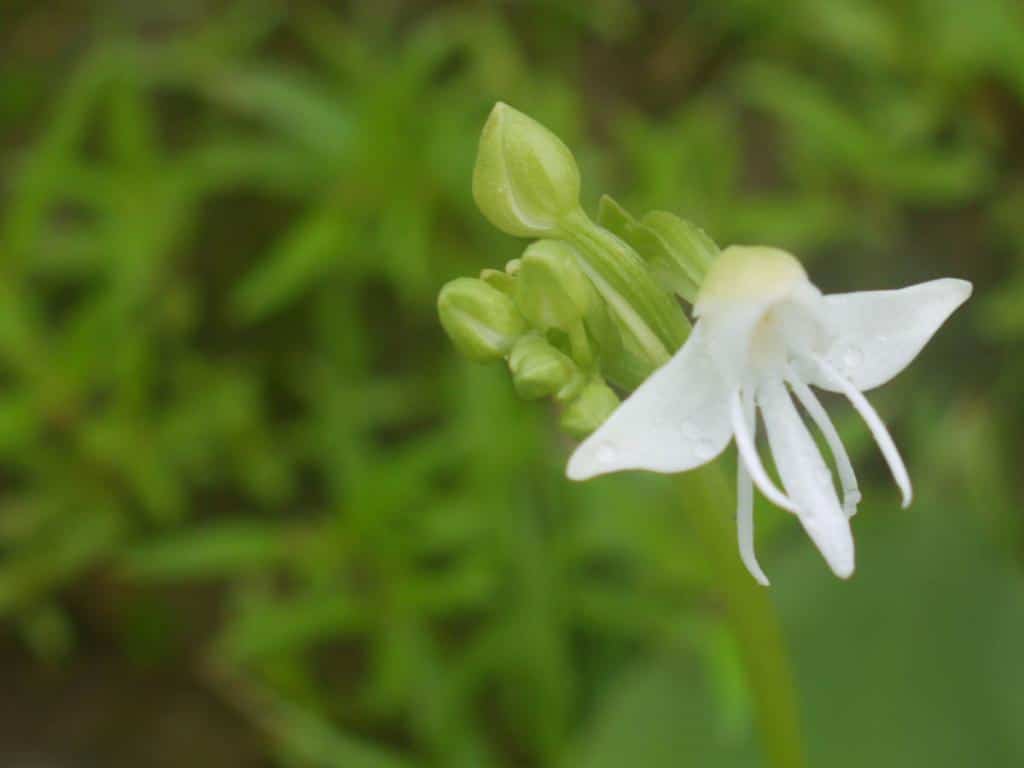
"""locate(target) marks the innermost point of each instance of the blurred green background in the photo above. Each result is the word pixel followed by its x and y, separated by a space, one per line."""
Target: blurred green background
pixel 254 511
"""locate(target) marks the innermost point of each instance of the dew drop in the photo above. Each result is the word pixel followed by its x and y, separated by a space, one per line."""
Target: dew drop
pixel 852 357
pixel 606 453
pixel 688 431
pixel 703 448
pixel 701 445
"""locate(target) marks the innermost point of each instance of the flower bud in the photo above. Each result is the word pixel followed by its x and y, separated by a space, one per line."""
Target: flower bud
pixel 552 291
pixel 525 178
pixel 503 281
pixel 538 369
pixel 481 320
pixel 590 409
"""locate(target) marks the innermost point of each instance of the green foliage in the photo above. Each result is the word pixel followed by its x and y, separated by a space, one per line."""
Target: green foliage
pixel 222 371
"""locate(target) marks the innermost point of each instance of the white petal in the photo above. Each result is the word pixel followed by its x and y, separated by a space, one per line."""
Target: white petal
pixel 818 414
pixel 745 505
pixel 749 458
pixel 875 424
pixel 875 334
pixel 676 420
pixel 806 478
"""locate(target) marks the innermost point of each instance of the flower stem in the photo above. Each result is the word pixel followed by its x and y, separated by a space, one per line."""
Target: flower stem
pixel 752 617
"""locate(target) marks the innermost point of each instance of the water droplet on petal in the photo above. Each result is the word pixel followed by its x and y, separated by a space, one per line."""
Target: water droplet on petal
pixel 852 357
pixel 700 444
pixel 703 448
pixel 606 453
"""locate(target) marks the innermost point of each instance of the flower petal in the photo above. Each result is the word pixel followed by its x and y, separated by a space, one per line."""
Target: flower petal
pixel 806 478
pixel 875 334
pixel 676 420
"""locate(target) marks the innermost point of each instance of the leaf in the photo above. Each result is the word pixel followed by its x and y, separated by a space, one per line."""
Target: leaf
pixel 640 721
pixel 306 737
pixel 919 654
pixel 83 540
pixel 288 626
pixel 213 551
pixel 297 262
pixel 299 108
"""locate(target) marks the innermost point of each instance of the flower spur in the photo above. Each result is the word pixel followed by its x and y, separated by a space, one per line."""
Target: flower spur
pixel 763 331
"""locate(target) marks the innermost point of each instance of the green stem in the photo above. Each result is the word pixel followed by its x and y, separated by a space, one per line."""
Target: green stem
pixel 752 616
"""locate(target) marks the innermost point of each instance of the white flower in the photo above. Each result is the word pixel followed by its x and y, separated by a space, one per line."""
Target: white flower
pixel 763 331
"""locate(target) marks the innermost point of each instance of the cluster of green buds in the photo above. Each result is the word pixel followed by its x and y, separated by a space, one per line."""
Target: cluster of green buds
pixel 589 308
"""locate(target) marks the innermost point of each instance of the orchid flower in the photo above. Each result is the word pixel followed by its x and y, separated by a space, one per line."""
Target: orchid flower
pixel 764 333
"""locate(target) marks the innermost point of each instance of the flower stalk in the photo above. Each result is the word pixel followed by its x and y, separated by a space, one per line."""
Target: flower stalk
pixel 751 616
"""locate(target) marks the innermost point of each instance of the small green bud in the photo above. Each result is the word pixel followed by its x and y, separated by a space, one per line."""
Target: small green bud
pixel 481 320
pixel 538 369
pixel 525 178
pixel 590 409
pixel 552 291
pixel 503 281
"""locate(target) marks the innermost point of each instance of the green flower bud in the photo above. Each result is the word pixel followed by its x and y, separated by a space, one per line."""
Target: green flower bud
pixel 590 409
pixel 525 178
pixel 538 369
pixel 481 320
pixel 552 291
pixel 503 281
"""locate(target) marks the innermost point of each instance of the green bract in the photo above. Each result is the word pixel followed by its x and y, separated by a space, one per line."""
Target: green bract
pixel 525 178
pixel 677 252
pixel 481 320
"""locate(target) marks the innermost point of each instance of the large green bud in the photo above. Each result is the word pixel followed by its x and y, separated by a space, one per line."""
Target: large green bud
pixel 551 289
pixel 539 370
pixel 482 321
pixel 525 178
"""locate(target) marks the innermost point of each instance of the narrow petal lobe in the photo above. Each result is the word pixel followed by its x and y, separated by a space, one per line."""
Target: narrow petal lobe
pixel 814 408
pixel 806 478
pixel 745 504
pixel 877 427
pixel 751 461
